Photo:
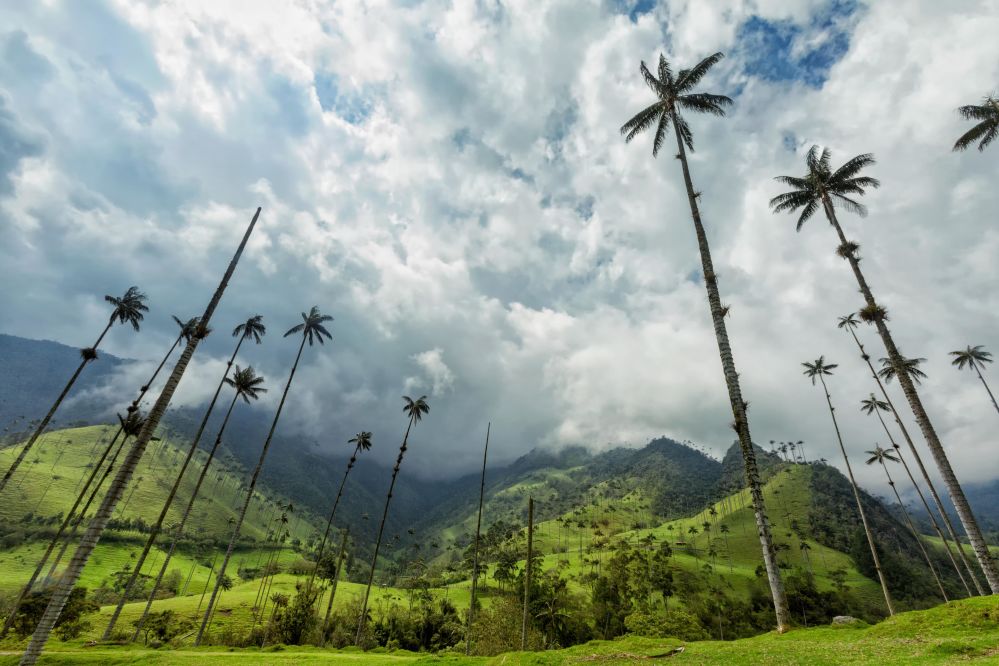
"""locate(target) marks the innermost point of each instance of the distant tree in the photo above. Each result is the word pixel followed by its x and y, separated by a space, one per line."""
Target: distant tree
pixel 975 358
pixel 987 128
pixel 911 366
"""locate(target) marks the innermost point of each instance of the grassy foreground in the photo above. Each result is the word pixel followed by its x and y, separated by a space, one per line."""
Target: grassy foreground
pixel 958 632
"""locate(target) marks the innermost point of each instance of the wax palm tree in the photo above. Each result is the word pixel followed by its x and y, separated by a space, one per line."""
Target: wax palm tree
pixel 849 324
pixel 414 409
pixel 825 188
pixel 475 550
pixel 60 595
pixel 882 457
pixel 248 386
pixel 252 328
pixel 819 369
pixel 975 358
pixel 311 330
pixel 675 94
pixel 127 309
pixel 986 130
pixel 909 365
pixel 361 442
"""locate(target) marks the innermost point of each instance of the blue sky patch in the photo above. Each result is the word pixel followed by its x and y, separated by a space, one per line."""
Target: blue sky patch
pixel 352 107
pixel 634 8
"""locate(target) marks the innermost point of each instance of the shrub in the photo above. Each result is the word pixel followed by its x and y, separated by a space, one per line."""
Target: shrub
pixel 666 624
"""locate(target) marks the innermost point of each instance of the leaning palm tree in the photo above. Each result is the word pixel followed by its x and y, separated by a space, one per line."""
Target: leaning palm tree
pixel 361 442
pixel 819 369
pixel 975 358
pixel 675 94
pixel 849 323
pixel 475 551
pixel 252 328
pixel 824 188
pixel 127 309
pixel 881 456
pixel 248 387
pixel 62 590
pixel 986 130
pixel 414 409
pixel 312 330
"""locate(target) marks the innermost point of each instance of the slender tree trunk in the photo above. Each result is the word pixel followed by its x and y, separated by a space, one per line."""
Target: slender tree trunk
pixel 527 572
pixel 155 529
pixel 211 570
pixel 329 523
pixel 183 519
pixel 336 578
pixel 52 410
pixel 381 529
pixel 860 506
pixel 915 534
pixel 249 496
pixel 475 555
pixel 926 477
pixel 954 489
pixel 985 384
pixel 89 541
pixel 781 609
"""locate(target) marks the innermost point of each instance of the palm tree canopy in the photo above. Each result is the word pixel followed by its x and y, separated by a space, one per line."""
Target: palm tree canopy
pixel 251 328
pixel 675 93
pixel 247 384
pixel 848 321
pixel 312 326
pixel 188 328
pixel 361 440
pixel 879 455
pixel 821 184
pixel 415 409
pixel 971 357
pixel 911 365
pixel 128 308
pixel 872 404
pixel 985 132
pixel 819 368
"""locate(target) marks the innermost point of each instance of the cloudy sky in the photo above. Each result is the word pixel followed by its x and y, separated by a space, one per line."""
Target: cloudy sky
pixel 447 179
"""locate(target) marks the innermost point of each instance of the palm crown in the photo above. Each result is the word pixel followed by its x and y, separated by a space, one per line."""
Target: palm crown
pixel 247 383
pixel 415 409
pixel 312 326
pixel 128 308
pixel 821 184
pixel 973 357
pixel 251 328
pixel 880 455
pixel 675 94
pixel 361 440
pixel 872 404
pixel 848 321
pixel 911 365
pixel 819 368
pixel 986 130
pixel 189 328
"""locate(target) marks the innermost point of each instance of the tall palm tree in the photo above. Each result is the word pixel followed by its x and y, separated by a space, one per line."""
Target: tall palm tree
pixel 254 328
pixel 825 188
pixel 849 323
pixel 881 456
pixel 987 129
pixel 475 552
pixel 975 358
pixel 675 94
pixel 361 442
pixel 247 386
pixel 414 409
pixel 820 370
pixel 60 595
pixel 127 309
pixel 312 330
pixel 873 405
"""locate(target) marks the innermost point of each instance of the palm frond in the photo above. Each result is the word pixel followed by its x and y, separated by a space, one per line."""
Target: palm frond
pixel 688 78
pixel 661 130
pixel 806 213
pixel 849 204
pixel 852 167
pixel 685 133
pixel 704 103
pixel 642 121
pixel 978 112
pixel 651 80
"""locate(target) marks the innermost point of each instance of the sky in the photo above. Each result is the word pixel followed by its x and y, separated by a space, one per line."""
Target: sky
pixel 448 180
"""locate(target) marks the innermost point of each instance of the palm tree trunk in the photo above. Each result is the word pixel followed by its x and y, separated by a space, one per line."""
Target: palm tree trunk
pixel 52 410
pixel 183 520
pixel 329 523
pixel 249 496
pixel 93 534
pixel 735 398
pixel 923 420
pixel 527 572
pixel 208 580
pixel 475 555
pixel 381 531
pixel 926 476
pixel 155 529
pixel 992 397
pixel 915 534
pixel 860 506
pixel 336 578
